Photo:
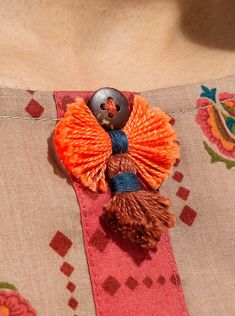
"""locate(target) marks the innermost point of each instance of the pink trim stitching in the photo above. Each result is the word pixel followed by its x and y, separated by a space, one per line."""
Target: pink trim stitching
pixel 86 231
pixel 174 269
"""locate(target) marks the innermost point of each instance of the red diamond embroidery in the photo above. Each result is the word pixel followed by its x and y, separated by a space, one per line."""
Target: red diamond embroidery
pixel 65 101
pixel 99 240
pixel 111 285
pixel 148 282
pixel 71 287
pixel 177 161
pixel 73 303
pixel 34 108
pixel 178 176
pixel 183 193
pixel 67 269
pixel 61 244
pixel 175 279
pixel 30 91
pixel 161 279
pixel 131 283
pixel 172 120
pixel 188 215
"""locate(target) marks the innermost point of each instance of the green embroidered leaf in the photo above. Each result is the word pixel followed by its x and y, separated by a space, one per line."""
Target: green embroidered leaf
pixel 230 110
pixel 221 127
pixel 215 157
pixel 6 285
pixel 230 122
pixel 208 93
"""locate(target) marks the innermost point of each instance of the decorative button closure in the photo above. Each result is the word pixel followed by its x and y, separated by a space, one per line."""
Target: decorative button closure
pixel 110 107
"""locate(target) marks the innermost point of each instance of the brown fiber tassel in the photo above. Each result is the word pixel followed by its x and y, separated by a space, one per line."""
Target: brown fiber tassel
pixel 140 216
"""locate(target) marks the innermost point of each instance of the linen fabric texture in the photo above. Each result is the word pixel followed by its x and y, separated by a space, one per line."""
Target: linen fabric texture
pixel 60 258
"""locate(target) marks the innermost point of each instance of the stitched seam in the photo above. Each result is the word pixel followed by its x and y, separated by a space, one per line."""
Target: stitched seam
pixel 173 265
pixel 85 230
pixel 29 118
pixel 91 266
pixel 57 119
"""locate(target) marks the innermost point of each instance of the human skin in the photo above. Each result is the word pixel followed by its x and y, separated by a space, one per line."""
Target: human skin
pixel 127 44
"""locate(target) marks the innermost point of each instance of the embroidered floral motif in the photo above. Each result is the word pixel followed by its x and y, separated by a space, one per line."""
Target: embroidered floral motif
pixel 218 124
pixel 12 304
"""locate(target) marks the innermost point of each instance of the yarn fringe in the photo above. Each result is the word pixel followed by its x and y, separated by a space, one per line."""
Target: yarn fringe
pixel 140 216
pixel 83 146
pixel 151 141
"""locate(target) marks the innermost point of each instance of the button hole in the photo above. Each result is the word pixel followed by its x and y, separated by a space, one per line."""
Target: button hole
pixel 102 106
pixel 117 107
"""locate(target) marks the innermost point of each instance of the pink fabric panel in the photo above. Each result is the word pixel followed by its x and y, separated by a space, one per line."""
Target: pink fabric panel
pixel 126 279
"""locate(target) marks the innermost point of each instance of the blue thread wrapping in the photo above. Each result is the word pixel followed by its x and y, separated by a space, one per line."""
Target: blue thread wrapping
pixel 125 182
pixel 119 141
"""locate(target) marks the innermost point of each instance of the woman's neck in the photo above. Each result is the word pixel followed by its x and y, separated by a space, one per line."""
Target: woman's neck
pixel 132 45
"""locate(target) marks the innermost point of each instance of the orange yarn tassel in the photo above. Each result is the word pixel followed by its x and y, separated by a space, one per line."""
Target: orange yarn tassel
pixel 151 141
pixel 83 146
pixel 85 149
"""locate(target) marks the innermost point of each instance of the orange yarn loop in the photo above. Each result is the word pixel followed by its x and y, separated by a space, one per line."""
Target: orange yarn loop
pixel 151 141
pixel 84 146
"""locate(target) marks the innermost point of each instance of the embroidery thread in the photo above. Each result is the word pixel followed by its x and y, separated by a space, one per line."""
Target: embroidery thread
pixel 12 304
pixel 218 125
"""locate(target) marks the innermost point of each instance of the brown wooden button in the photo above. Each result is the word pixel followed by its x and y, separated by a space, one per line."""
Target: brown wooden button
pixel 110 107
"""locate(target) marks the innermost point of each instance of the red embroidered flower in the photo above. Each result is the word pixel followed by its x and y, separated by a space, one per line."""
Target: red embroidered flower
pixel 12 304
pixel 216 116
